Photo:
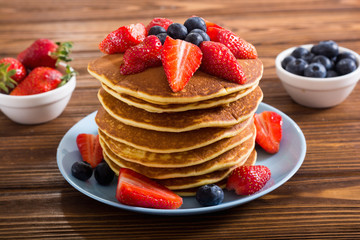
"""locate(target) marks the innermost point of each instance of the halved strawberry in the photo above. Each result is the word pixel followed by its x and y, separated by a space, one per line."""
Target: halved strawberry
pixel 238 46
pixel 219 61
pixel 142 56
pixel 90 149
pixel 180 60
pixel 163 22
pixel 123 38
pixel 138 190
pixel 268 130
pixel 246 180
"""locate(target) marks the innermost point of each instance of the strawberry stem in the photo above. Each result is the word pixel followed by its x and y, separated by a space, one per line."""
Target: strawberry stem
pixel 69 73
pixel 62 52
pixel 6 81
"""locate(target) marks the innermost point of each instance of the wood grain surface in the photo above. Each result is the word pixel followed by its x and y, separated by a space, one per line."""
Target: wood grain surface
pixel 321 201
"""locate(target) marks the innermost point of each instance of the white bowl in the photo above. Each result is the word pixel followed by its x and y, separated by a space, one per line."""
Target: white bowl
pixel 37 108
pixel 317 92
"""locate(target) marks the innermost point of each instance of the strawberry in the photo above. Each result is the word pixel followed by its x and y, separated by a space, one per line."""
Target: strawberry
pixel 239 47
pixel 268 130
pixel 142 56
pixel 180 60
pixel 123 38
pixel 219 61
pixel 213 32
pixel 210 24
pixel 163 22
pixel 45 53
pixel 137 190
pixel 90 149
pixel 12 71
pixel 246 180
pixel 39 80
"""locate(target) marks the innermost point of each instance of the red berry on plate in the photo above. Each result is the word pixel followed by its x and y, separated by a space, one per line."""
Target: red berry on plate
pixel 12 72
pixel 219 61
pixel 246 180
pixel 162 22
pixel 123 38
pixel 138 190
pixel 142 56
pixel 90 148
pixel 268 130
pixel 180 60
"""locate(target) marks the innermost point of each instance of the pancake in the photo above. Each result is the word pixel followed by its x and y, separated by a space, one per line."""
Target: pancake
pixel 223 161
pixel 179 159
pixel 164 142
pixel 151 85
pixel 160 108
pixel 221 116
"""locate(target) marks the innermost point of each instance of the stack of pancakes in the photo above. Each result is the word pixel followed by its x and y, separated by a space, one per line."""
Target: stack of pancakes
pixel 182 140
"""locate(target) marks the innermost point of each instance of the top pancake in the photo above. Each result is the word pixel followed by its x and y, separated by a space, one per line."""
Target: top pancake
pixel 151 85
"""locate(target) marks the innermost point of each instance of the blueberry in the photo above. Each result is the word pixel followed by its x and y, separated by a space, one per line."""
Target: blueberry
pixel 316 70
pixel 287 60
pixel 308 57
pixel 297 66
pixel 162 37
pixel 346 55
pixel 194 38
pixel 323 60
pixel 103 174
pixel 209 195
pixel 81 170
pixel 155 30
pixel 331 73
pixel 299 52
pixel 177 31
pixel 202 33
pixel 327 48
pixel 195 23
pixel 345 66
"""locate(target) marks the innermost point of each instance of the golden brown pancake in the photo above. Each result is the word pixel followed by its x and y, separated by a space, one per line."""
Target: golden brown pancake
pixel 160 108
pixel 178 159
pixel 151 85
pixel 221 116
pixel 224 161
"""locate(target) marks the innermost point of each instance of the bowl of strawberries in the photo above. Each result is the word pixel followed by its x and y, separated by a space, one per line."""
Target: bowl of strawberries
pixel 36 86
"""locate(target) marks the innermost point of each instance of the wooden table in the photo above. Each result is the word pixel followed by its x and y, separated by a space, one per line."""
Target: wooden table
pixel 322 200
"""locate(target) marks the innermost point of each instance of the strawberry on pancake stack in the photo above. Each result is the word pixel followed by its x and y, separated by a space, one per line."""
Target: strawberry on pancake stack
pixel 178 102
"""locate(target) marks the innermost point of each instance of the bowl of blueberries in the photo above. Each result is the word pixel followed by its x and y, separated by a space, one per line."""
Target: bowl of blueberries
pixel 318 75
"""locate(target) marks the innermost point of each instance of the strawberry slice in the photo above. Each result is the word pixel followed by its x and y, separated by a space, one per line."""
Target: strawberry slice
pixel 142 56
pixel 162 22
pixel 180 60
pixel 90 149
pixel 268 130
pixel 123 38
pixel 138 190
pixel 246 180
pixel 219 61
pixel 239 47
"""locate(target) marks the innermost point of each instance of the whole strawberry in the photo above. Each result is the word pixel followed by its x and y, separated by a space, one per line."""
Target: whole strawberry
pixel 12 72
pixel 39 80
pixel 246 180
pixel 123 38
pixel 219 61
pixel 162 22
pixel 45 53
pixel 142 56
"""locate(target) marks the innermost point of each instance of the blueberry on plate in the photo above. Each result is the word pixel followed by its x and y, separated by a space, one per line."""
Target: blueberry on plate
pixel 327 48
pixel 194 38
pixel 345 66
pixel 297 66
pixel 209 195
pixel 195 23
pixel 155 30
pixel 162 37
pixel 81 170
pixel 286 60
pixel 323 60
pixel 299 52
pixel 177 31
pixel 103 174
pixel 202 33
pixel 315 70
